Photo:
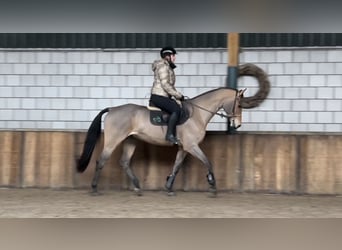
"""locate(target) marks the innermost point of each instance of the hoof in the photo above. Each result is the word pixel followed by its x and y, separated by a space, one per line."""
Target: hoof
pixel 138 192
pixel 95 193
pixel 171 193
pixel 212 193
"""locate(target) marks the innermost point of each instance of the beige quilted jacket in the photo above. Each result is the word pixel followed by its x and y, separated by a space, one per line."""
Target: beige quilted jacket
pixel 164 80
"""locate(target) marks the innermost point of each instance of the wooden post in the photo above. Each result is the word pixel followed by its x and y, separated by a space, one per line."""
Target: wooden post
pixel 233 45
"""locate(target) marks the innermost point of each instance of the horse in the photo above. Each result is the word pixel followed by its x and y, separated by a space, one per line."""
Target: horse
pixel 130 120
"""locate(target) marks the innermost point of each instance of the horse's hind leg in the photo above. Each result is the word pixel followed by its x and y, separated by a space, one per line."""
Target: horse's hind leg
pixel 178 163
pixel 127 153
pixel 198 153
pixel 106 153
pixel 110 143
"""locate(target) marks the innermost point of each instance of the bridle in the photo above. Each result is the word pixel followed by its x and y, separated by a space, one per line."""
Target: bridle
pixel 231 115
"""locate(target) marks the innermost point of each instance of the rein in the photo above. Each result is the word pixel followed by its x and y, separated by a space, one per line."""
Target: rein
pixel 217 113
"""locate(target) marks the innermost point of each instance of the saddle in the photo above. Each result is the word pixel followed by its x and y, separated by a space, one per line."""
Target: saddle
pixel 159 117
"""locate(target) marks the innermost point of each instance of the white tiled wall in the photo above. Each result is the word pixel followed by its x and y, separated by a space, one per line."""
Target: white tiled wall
pixel 64 89
pixel 306 90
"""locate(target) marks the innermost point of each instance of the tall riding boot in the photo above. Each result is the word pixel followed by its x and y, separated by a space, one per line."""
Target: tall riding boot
pixel 171 127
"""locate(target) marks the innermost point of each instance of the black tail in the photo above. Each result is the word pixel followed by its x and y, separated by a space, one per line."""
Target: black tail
pixel 93 134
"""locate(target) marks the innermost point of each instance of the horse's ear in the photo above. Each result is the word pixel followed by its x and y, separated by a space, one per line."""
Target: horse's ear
pixel 242 91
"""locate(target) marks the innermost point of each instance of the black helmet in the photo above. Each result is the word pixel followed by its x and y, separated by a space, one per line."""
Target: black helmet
pixel 167 51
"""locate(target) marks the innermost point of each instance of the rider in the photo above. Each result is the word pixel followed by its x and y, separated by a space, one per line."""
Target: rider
pixel 164 94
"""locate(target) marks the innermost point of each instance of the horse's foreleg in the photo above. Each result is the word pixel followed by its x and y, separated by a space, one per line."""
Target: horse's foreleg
pixel 198 153
pixel 128 151
pixel 178 163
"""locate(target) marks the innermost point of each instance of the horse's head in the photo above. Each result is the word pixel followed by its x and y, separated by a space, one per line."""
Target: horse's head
pixel 235 115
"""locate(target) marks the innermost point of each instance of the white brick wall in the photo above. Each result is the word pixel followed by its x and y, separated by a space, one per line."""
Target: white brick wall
pixel 64 89
pixel 306 89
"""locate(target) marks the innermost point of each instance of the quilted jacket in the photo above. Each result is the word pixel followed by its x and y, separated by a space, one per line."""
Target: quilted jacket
pixel 164 80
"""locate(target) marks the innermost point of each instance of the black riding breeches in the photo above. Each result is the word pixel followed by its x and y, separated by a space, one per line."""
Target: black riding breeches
pixel 167 104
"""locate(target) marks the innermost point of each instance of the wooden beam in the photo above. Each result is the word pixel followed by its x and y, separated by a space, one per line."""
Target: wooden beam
pixel 233 45
pixel 233 49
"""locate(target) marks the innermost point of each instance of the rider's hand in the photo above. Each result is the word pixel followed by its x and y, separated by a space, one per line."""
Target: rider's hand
pixel 179 102
pixel 182 98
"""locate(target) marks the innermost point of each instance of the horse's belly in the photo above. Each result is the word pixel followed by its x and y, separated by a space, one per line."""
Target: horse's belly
pixel 151 139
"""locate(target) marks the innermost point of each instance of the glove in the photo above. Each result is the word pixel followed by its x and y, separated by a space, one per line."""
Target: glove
pixel 178 102
pixel 182 98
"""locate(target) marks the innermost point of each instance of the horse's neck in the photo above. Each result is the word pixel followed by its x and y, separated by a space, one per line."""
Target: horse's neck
pixel 208 104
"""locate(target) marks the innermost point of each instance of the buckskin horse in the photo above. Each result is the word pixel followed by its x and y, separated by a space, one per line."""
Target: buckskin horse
pixel 131 120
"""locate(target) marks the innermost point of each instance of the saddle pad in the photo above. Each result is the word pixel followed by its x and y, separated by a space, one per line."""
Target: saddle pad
pixel 157 117
pixel 161 118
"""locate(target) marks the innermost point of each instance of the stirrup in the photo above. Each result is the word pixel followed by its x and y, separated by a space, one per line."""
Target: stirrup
pixel 171 138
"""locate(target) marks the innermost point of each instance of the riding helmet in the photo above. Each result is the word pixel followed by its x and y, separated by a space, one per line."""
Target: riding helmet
pixel 167 51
